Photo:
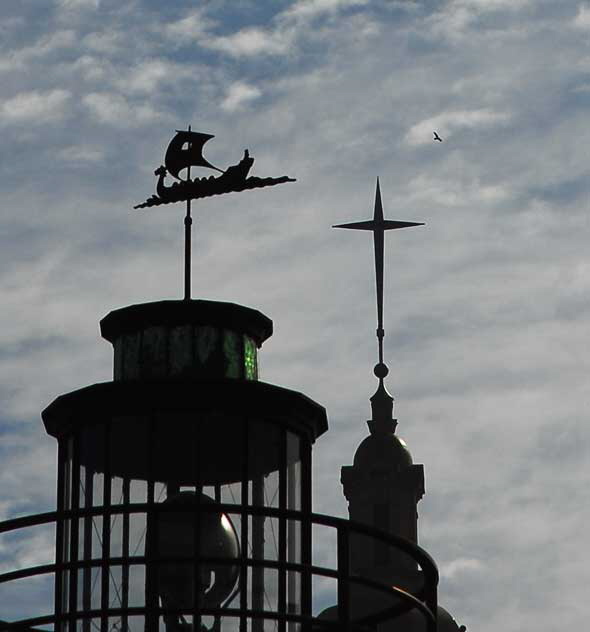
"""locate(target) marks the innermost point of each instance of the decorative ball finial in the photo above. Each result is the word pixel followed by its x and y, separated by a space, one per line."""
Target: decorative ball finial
pixel 381 371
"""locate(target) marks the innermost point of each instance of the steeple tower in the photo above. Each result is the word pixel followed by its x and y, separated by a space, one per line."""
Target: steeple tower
pixel 383 485
pixel 383 488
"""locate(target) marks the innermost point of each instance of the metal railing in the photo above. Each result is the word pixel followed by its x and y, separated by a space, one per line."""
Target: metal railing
pixel 422 599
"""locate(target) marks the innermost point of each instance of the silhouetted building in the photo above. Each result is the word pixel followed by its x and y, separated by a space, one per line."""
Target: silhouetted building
pixel 383 488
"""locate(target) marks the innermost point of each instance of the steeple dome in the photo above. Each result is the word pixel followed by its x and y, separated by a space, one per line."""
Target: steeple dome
pixel 382 448
pixel 382 451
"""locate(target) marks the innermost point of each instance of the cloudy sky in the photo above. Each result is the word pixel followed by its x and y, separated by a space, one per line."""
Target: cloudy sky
pixel 486 307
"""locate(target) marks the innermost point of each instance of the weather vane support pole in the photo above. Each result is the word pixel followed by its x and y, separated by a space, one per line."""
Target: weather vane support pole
pixel 188 223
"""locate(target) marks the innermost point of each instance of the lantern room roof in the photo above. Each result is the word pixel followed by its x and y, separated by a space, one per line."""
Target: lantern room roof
pixel 226 415
pixel 194 312
pixel 230 397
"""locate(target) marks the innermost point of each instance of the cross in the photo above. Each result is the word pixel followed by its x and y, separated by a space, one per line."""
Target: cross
pixel 378 226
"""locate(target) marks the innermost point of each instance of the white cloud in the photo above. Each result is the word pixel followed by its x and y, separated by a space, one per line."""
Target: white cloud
pixel 117 111
pixel 278 39
pixel 491 5
pixel 81 153
pixel 582 19
pixel 46 46
pixel 151 75
pixel 455 17
pixel 78 4
pixel 194 26
pixel 447 123
pixel 251 42
pixel 104 42
pixel 583 88
pixel 308 9
pixel 35 107
pixel 453 192
pixel 460 566
pixel 91 68
pixel 238 94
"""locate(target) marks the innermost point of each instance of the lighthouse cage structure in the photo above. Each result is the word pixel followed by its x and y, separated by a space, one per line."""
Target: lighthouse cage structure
pixel 184 495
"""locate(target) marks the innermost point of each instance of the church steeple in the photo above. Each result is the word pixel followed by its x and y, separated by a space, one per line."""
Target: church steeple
pixel 383 485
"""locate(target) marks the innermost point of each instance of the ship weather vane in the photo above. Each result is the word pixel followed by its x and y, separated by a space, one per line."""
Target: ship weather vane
pixel 185 151
pixel 378 225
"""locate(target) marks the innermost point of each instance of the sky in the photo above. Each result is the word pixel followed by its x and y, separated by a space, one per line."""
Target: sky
pixel 487 309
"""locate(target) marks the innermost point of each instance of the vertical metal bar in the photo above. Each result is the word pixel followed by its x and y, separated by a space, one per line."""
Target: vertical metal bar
pixel 106 530
pixel 125 555
pixel 197 522
pixel 282 597
pixel 293 459
pixel 343 578
pixel 306 551
pixel 188 222
pixel 75 530
pixel 65 604
pixel 217 619
pixel 431 598
pixel 151 585
pixel 87 573
pixel 244 523
pixel 258 552
pixel 59 532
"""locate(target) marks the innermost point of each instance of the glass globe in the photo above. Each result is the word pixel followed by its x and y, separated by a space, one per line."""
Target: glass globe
pixel 177 581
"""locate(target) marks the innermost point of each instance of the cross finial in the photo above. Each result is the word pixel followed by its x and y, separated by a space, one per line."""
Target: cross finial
pixel 378 225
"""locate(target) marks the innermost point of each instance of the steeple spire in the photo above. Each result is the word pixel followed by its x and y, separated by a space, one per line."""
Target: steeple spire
pixel 381 401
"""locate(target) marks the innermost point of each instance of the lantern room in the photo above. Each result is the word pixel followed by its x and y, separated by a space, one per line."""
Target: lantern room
pixel 168 473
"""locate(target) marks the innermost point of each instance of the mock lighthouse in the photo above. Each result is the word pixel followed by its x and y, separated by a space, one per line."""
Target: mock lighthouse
pixel 183 497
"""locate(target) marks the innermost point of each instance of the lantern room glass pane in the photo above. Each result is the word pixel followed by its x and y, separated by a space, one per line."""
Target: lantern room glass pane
pixel 207 345
pixel 232 349
pixel 67 491
pixel 294 527
pixel 250 359
pixel 91 446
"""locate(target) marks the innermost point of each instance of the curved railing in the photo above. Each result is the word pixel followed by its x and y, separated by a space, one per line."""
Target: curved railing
pixel 396 600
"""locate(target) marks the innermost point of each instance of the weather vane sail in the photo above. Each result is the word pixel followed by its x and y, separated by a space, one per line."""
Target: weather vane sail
pixel 378 225
pixel 184 151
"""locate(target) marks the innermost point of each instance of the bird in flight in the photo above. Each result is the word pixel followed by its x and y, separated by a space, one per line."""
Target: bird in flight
pixel 437 137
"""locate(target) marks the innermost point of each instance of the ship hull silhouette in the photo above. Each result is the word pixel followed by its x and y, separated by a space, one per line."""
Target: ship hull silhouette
pixel 186 150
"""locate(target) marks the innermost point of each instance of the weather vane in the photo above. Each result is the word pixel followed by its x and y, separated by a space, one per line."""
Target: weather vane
pixel 378 226
pixel 185 151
